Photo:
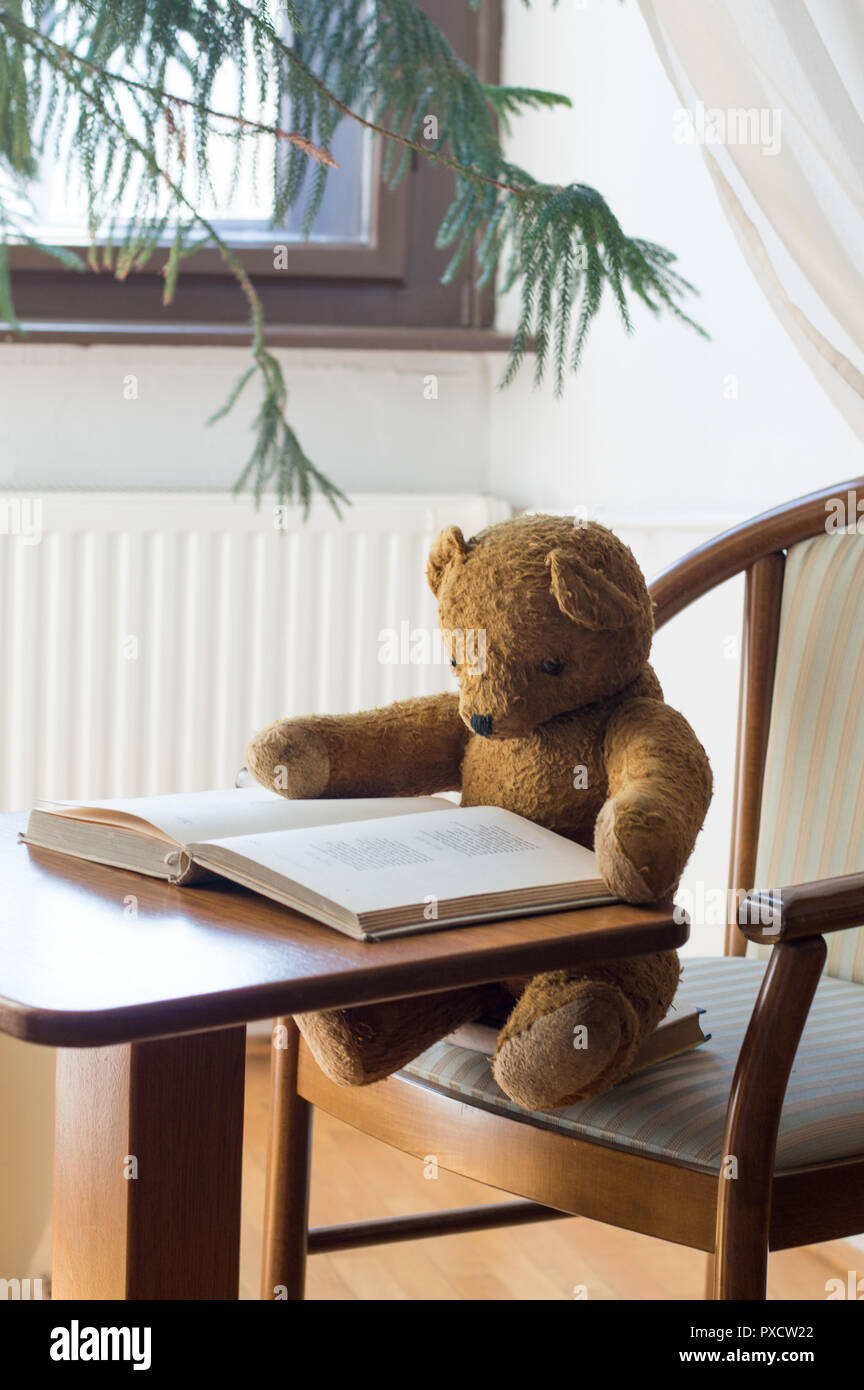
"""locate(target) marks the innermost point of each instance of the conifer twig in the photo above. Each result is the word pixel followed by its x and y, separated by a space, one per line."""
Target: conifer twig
pixel 382 64
pixel 66 55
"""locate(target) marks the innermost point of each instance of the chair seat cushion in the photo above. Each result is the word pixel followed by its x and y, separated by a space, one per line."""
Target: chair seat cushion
pixel 676 1109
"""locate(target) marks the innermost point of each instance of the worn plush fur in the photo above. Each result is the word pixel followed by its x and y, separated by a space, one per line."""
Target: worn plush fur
pixel 585 746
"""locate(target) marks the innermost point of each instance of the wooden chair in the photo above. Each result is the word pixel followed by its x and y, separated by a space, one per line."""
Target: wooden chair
pixel 656 1155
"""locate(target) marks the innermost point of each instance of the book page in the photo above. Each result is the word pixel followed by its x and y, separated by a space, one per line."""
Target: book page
pixel 200 816
pixel 427 858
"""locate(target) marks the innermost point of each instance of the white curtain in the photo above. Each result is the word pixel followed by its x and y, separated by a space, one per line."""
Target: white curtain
pixel 773 91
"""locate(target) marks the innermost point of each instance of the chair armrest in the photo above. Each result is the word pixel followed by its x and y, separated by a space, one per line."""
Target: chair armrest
pixel 804 909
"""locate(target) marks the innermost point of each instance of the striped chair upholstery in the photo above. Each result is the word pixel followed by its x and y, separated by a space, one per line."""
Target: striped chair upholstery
pixel 812 822
pixel 812 826
pixel 676 1109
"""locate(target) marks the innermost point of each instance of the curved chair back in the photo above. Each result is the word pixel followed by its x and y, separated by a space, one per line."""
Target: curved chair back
pixel 799 774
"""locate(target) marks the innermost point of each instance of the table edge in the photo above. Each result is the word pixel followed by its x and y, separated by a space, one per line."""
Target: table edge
pixel 251 1003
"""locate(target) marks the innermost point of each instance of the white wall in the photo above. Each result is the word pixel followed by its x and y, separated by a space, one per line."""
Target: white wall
pixel 647 423
pixel 362 417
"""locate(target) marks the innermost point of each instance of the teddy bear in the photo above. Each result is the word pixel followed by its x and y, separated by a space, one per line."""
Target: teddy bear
pixel 560 718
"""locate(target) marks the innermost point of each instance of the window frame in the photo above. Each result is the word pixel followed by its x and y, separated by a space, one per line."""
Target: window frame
pixel 389 287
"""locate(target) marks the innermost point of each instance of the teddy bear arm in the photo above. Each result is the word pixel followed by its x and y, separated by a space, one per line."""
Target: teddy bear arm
pixel 410 748
pixel 659 789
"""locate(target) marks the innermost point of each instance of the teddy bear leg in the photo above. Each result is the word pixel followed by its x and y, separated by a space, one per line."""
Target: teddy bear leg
pixel 573 1034
pixel 357 1046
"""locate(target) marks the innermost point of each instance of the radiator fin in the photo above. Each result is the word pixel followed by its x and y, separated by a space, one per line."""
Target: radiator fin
pixel 146 637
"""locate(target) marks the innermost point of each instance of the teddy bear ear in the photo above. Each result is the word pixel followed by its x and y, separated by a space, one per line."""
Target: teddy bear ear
pixel 448 547
pixel 586 595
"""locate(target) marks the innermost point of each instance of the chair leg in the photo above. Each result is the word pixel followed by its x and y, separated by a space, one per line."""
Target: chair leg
pixel 286 1207
pixel 746 1174
pixel 740 1266
pixel 711 1275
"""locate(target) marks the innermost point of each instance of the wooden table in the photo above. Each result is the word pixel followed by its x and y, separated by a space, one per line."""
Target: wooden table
pixel 147 989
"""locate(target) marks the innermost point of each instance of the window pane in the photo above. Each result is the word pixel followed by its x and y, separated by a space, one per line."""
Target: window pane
pixel 239 203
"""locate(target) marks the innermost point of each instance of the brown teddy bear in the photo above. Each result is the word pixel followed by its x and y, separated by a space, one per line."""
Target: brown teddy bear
pixel 560 718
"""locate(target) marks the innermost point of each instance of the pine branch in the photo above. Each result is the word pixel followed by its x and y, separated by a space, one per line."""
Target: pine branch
pixel 169 99
pixel 105 93
pixel 507 102
pixel 277 458
pixel 494 196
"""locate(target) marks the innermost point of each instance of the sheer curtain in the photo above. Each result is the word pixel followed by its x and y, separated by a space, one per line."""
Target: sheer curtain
pixel 773 92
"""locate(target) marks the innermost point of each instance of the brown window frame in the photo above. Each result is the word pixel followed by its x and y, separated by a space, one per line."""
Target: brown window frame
pixel 387 289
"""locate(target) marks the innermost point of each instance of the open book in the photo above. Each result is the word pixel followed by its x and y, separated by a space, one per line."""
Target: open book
pixel 371 868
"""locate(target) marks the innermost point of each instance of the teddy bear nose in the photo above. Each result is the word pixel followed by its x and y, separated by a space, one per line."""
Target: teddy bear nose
pixel 481 724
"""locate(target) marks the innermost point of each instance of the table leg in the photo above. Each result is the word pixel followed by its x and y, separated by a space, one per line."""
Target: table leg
pixel 147 1168
pixel 286 1208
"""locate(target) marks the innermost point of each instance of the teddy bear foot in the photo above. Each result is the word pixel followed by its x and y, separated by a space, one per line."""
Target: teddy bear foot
pixel 571 1051
pixel 355 1047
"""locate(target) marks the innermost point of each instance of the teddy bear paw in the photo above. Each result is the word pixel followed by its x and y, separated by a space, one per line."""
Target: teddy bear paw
pixel 620 848
pixel 290 759
pixel 575 1050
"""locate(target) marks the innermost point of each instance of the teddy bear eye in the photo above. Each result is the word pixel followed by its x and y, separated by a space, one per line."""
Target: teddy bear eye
pixel 552 666
pixel 453 662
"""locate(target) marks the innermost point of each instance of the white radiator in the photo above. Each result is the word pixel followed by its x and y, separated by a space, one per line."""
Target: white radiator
pixel 145 637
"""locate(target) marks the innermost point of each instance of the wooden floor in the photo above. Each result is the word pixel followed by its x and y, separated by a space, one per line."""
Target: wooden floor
pixel 356 1178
